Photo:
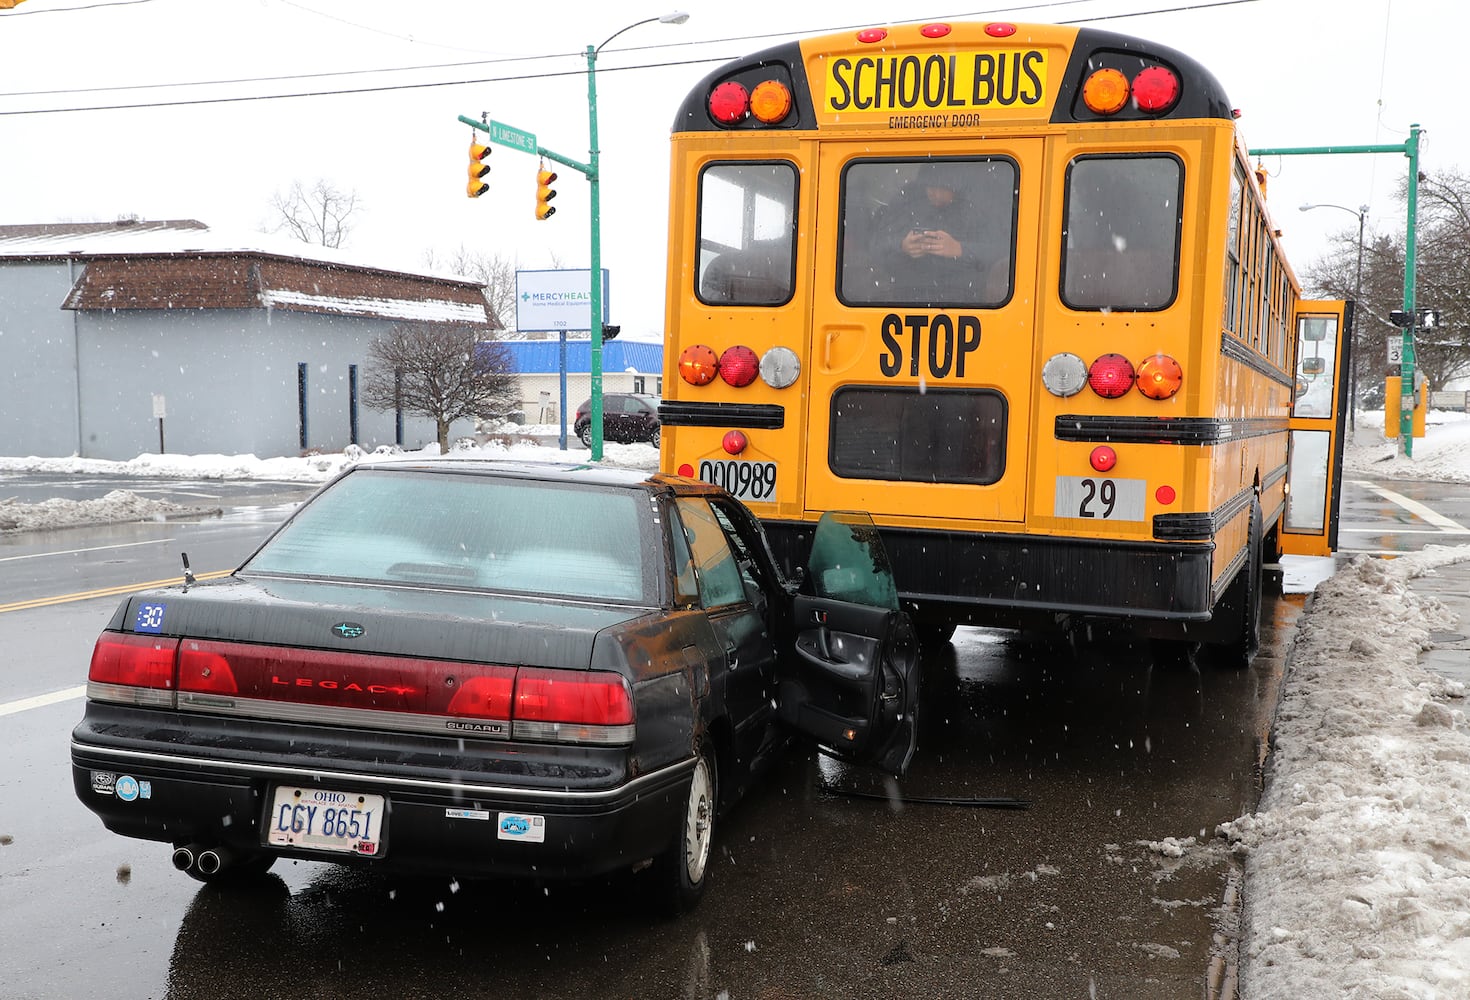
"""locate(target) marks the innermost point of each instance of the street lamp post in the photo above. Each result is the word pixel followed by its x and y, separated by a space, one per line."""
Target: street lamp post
pixel 1362 213
pixel 594 178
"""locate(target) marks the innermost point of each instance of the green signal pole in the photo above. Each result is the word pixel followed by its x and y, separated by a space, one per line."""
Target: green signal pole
pixel 595 368
pixel 1410 148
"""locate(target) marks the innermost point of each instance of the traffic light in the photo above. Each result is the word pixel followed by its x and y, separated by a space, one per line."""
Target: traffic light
pixel 544 193
pixel 478 168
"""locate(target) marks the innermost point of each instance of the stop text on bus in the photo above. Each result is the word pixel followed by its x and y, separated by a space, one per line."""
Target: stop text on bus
pixel 880 84
pixel 941 343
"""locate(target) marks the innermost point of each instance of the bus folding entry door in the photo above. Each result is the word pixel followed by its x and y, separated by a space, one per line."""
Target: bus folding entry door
pixel 1318 418
pixel 921 387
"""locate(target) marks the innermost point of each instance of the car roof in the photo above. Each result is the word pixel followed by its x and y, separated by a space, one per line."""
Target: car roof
pixel 555 472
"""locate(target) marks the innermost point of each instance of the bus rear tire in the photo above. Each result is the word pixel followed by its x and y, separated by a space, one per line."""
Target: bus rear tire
pixel 1243 600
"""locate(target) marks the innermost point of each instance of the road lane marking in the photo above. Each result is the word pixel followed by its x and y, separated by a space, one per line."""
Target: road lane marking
pixel 42 700
pixel 1413 507
pixel 85 595
pixel 93 548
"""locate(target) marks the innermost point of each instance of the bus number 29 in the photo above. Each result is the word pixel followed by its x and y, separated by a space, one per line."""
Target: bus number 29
pixel 1098 493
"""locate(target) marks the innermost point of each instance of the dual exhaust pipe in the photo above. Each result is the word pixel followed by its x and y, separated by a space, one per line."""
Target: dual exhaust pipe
pixel 196 859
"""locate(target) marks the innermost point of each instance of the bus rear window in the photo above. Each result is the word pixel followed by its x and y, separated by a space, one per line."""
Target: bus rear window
pixel 1122 232
pixel 922 436
pixel 747 234
pixel 928 232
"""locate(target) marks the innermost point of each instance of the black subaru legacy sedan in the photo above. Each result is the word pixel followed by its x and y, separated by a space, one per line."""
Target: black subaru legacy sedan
pixel 491 669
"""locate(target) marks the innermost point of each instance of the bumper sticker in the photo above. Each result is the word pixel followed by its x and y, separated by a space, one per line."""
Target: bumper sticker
pixel 518 826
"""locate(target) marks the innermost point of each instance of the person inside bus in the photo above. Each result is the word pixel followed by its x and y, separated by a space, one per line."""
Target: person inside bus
pixel 931 238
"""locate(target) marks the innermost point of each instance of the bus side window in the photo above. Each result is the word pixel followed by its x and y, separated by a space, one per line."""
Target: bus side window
pixel 747 234
pixel 1122 232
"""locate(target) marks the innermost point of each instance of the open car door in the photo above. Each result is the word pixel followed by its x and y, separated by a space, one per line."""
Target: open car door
pixel 852 682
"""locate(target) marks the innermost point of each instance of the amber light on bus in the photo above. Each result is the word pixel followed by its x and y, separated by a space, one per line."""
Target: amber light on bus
pixel 1160 377
pixel 770 102
pixel 698 364
pixel 1105 92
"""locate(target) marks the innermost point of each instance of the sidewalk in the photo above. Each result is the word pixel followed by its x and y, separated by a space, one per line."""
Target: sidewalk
pixel 1357 858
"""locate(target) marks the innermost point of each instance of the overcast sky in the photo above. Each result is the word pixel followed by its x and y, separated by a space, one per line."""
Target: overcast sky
pixel 1303 73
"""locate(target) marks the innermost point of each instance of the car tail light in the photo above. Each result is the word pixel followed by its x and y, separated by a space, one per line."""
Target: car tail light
pixel 132 669
pixel 484 697
pixel 739 366
pixel 1160 377
pixel 578 705
pixel 332 687
pixel 204 670
pixel 1111 376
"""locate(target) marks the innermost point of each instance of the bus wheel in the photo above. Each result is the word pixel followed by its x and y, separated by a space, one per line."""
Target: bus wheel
pixel 1243 599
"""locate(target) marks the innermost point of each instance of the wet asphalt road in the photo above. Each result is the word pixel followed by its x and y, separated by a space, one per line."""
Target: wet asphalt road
pixel 827 883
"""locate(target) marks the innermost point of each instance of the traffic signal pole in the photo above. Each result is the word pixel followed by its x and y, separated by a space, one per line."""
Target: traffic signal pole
pixel 526 142
pixel 1410 149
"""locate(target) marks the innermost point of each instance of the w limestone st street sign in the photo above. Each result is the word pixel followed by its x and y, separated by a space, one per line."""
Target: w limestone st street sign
pixel 557 300
pixel 509 135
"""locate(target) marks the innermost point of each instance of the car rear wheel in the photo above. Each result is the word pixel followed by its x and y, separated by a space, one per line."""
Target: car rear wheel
pixel 653 438
pixel 586 435
pixel 682 871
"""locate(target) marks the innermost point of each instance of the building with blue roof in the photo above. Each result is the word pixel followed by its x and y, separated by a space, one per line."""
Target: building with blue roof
pixel 627 366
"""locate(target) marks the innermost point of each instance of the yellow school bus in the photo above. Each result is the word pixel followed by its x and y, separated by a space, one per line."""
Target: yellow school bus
pixel 1014 290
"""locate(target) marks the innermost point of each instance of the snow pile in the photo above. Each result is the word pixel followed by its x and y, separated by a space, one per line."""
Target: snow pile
pixel 119 505
pixel 1358 858
pixel 1442 455
pixel 122 505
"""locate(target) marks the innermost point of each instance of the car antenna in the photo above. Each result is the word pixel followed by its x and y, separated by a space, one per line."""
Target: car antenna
pixel 188 573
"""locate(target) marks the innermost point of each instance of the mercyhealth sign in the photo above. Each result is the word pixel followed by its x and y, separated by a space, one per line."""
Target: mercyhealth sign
pixel 557 300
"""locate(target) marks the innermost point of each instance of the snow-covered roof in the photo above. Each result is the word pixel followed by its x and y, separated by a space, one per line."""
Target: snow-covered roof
pixel 184 264
pixel 178 236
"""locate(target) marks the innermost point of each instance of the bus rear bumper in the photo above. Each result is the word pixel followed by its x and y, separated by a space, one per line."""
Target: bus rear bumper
pixel 1015 580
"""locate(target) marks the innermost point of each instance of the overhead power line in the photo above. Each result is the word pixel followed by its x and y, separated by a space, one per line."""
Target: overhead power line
pixel 342 91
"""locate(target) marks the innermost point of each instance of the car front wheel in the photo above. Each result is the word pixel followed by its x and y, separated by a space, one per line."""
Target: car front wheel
pixel 682 871
pixel 653 438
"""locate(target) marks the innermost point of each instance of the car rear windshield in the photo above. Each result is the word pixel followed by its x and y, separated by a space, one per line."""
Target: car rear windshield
pixel 473 532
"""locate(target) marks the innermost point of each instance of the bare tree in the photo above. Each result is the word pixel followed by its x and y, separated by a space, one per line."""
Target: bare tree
pixel 320 214
pixel 445 373
pixel 1442 280
pixel 495 272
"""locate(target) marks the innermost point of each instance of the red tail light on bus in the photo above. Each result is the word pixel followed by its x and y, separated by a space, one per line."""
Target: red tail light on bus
pixel 1111 376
